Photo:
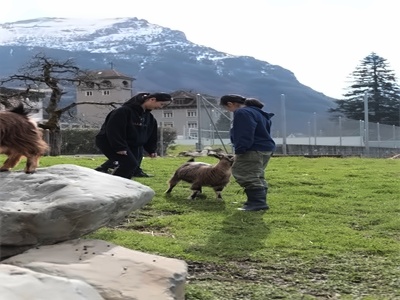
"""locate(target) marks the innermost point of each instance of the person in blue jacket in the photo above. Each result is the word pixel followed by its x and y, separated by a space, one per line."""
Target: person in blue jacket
pixel 128 130
pixel 253 146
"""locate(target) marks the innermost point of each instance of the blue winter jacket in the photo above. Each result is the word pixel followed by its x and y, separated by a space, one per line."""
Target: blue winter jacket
pixel 251 130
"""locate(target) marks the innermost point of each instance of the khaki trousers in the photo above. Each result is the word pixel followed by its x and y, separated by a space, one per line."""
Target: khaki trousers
pixel 249 169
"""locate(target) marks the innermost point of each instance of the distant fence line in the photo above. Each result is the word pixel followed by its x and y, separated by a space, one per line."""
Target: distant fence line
pixel 335 136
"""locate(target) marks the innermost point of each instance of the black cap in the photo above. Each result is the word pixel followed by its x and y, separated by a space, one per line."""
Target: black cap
pixel 161 97
pixel 232 98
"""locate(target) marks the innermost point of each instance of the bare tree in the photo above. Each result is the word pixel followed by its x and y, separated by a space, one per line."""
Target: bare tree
pixel 56 76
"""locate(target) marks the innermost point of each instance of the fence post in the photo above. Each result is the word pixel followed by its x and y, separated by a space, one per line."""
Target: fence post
pixel 161 139
pixel 315 129
pixel 46 138
pixel 366 123
pixel 283 110
pixel 379 134
pixel 340 130
pixel 361 133
pixel 394 132
pixel 199 146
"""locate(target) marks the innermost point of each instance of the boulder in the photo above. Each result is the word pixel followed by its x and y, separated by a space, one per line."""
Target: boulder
pixel 116 272
pixel 19 284
pixel 60 203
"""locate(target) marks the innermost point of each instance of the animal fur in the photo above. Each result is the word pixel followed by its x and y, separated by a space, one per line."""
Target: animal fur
pixel 201 174
pixel 19 136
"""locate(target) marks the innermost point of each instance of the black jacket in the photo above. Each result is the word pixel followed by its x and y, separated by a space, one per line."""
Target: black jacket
pixel 129 126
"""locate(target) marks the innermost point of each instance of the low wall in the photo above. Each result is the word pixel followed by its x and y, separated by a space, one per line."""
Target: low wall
pixel 337 150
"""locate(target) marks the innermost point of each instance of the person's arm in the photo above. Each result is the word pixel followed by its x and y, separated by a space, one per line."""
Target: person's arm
pixel 116 130
pixel 151 144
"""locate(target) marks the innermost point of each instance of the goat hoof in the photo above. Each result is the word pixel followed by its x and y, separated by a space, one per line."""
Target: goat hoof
pixel 4 170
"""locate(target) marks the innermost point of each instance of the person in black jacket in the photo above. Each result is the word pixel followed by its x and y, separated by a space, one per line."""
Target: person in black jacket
pixel 128 130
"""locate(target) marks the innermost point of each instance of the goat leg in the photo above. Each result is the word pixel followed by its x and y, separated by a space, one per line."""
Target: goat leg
pixel 196 190
pixel 194 194
pixel 218 193
pixel 11 162
pixel 170 187
pixel 32 163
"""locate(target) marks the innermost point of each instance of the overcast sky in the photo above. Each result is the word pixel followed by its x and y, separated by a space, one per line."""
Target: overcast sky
pixel 320 41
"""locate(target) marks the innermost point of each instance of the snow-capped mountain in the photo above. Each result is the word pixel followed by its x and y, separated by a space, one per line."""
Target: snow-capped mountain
pixel 158 57
pixel 93 35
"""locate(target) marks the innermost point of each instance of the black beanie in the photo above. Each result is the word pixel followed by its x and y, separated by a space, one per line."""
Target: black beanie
pixel 232 98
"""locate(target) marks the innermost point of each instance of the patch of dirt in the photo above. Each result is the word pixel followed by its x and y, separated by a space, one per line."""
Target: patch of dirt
pixel 321 280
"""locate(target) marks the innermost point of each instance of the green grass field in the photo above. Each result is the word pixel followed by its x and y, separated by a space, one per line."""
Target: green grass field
pixel 332 231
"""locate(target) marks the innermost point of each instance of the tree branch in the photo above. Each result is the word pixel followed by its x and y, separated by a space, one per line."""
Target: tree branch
pixel 72 105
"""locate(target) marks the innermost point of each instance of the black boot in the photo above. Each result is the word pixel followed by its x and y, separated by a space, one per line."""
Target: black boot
pixel 142 174
pixel 101 169
pixel 256 200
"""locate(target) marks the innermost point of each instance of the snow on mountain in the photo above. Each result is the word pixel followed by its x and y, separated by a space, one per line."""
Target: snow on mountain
pixel 159 58
pixel 96 35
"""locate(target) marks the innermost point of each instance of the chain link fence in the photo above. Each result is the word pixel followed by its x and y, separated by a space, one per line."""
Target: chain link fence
pixel 318 135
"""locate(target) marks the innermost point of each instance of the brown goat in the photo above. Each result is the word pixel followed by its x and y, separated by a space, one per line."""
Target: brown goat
pixel 201 174
pixel 19 136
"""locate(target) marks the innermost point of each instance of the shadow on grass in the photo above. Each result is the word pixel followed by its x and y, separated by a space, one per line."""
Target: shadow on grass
pixel 201 203
pixel 241 234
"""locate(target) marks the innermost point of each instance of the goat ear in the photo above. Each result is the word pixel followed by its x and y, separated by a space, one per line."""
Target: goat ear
pixel 213 154
pixel 220 155
pixel 231 157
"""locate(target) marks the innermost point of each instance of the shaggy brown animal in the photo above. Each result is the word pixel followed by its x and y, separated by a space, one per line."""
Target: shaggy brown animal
pixel 201 174
pixel 19 136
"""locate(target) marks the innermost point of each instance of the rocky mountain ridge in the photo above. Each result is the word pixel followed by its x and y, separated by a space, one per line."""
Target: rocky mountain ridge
pixel 159 58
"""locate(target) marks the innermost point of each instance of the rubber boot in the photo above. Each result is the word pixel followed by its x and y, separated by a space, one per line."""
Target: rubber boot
pixel 256 200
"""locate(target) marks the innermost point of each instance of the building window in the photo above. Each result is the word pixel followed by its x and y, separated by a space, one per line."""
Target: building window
pixel 192 124
pixel 125 84
pixel 168 124
pixel 89 93
pixel 106 83
pixel 179 101
pixel 106 93
pixel 191 113
pixel 168 114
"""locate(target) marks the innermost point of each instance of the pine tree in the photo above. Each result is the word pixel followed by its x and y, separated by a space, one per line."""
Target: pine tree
pixel 374 77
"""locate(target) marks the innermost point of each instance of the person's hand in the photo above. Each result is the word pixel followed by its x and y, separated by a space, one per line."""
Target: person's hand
pixel 122 152
pixel 153 155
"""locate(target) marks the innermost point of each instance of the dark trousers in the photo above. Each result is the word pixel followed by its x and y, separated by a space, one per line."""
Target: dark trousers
pixel 127 164
pixel 109 164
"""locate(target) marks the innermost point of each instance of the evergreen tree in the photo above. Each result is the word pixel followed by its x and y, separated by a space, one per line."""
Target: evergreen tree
pixel 373 77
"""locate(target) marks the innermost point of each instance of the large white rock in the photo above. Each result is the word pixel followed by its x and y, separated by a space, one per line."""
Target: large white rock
pixel 116 272
pixel 20 284
pixel 61 203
